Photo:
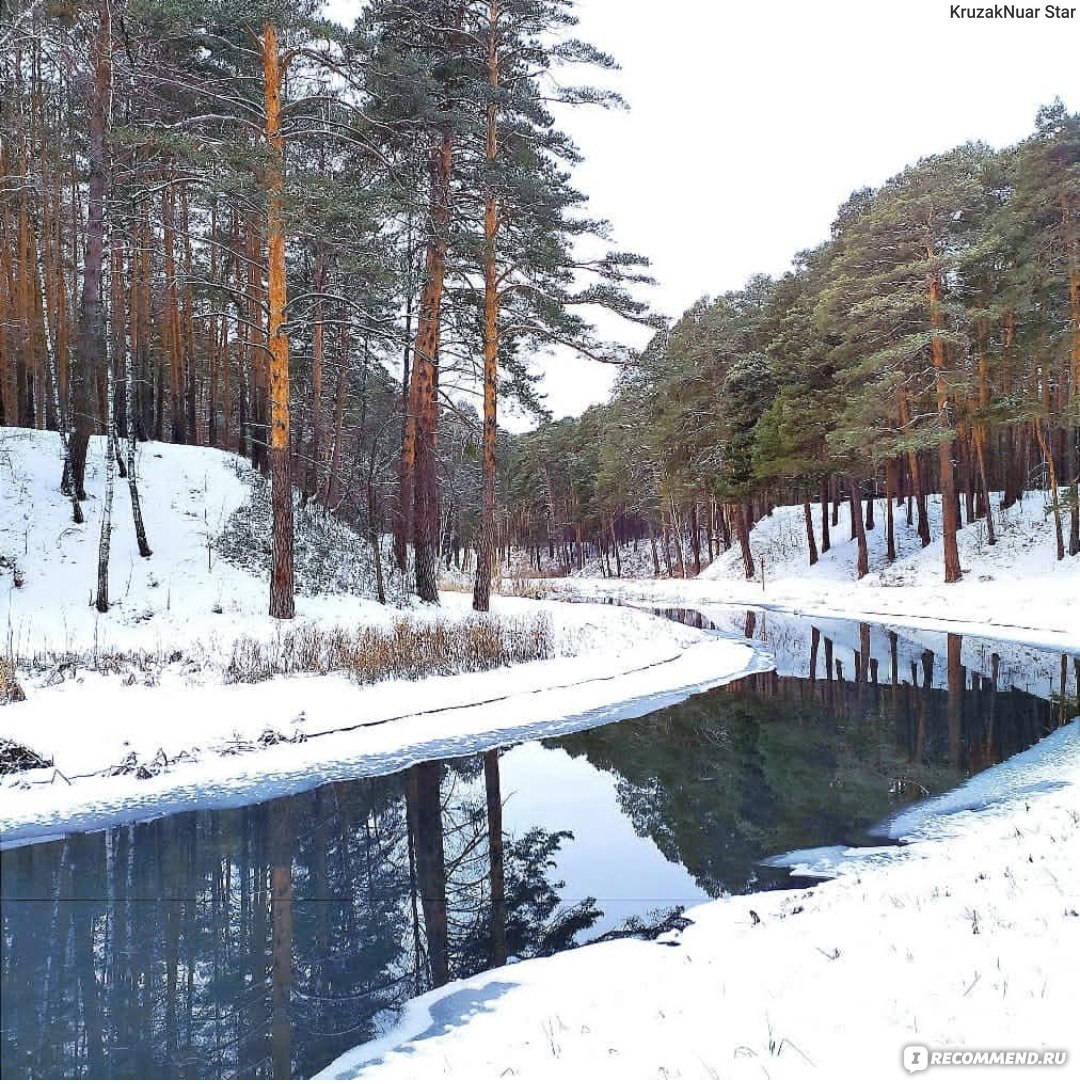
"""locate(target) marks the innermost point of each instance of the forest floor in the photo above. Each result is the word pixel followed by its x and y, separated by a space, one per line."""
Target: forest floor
pixel 148 708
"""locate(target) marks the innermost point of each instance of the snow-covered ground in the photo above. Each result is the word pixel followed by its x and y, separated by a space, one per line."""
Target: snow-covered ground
pixel 157 731
pixel 1015 589
pixel 967 938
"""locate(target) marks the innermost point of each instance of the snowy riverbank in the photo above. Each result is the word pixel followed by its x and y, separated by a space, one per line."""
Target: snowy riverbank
pixel 131 706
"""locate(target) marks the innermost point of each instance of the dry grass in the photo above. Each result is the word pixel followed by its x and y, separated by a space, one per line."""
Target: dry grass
pixel 10 689
pixel 520 587
pixel 136 666
pixel 409 649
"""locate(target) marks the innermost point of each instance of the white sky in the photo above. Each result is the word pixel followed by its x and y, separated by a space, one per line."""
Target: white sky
pixel 751 122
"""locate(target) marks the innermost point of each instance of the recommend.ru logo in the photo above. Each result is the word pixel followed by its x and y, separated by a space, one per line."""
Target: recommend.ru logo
pixel 918 1058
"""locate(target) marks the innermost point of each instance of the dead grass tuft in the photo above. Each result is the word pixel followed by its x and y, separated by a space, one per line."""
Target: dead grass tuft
pixel 408 649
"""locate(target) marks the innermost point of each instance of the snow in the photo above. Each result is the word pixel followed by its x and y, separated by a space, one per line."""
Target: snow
pixel 966 937
pixel 176 719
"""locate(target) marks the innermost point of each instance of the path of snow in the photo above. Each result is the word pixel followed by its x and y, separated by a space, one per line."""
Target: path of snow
pixel 390 726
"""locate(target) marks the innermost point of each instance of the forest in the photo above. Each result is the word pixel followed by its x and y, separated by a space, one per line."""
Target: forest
pixel 338 251
pixel 930 346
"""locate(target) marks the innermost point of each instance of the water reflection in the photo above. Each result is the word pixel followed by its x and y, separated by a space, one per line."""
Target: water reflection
pixel 722 780
pixel 265 941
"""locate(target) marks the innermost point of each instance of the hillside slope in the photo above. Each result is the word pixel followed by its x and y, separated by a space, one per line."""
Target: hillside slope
pixel 205 583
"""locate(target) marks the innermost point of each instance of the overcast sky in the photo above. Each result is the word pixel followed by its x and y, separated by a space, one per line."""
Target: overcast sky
pixel 751 122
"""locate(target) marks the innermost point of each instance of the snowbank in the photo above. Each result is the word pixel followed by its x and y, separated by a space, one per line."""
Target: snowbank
pixel 186 597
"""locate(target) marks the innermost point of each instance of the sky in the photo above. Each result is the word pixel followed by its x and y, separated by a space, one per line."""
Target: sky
pixel 750 123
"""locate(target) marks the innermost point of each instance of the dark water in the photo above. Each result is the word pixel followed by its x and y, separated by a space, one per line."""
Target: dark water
pixel 265 941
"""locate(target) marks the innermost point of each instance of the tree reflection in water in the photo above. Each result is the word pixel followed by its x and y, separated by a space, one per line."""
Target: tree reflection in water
pixel 265 941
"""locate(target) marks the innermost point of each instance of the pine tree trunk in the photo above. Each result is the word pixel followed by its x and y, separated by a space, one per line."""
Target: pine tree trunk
pixel 742 531
pixel 676 530
pixel 1055 499
pixel 121 399
pixel 810 542
pixel 403 511
pixel 667 542
pixel 1072 466
pixel 890 533
pixel 171 329
pixel 695 538
pixel 422 422
pixel 53 380
pixel 825 544
pixel 915 472
pixel 373 529
pixel 486 544
pixel 318 350
pixel 979 438
pixel 133 483
pixel 101 602
pixel 282 602
pixel 968 473
pixel 863 565
pixel 946 445
pixel 187 336
pixel 331 485
pixel 90 342
pixel 1074 495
